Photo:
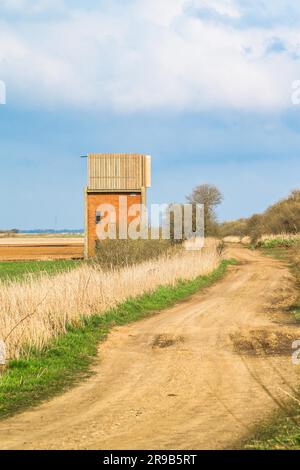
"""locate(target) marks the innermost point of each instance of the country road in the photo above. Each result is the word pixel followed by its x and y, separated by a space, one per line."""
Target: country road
pixel 174 380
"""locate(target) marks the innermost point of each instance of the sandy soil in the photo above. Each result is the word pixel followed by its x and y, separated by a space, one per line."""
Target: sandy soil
pixel 175 380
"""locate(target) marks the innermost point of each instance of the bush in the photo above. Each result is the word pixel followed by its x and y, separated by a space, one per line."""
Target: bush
pixel 277 241
pixel 282 217
pixel 235 228
pixel 117 254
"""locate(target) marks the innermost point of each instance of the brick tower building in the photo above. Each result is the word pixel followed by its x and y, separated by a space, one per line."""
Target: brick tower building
pixel 109 177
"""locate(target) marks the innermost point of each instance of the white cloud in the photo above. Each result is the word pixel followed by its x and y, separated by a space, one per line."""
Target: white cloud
pixel 151 54
pixel 160 12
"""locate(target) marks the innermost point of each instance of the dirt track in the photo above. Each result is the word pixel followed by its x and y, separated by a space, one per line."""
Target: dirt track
pixel 173 380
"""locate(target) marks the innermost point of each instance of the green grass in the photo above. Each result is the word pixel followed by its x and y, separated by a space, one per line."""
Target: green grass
pixel 278 242
pixel 17 270
pixel 279 433
pixel 282 431
pixel 42 374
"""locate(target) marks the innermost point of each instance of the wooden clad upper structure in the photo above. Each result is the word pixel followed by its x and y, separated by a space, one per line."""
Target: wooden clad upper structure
pixel 118 172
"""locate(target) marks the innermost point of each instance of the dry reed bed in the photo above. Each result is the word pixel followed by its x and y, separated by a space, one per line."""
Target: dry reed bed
pixel 35 310
pixel 281 237
pixel 236 239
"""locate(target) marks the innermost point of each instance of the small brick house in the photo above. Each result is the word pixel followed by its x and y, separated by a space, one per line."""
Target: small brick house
pixel 109 177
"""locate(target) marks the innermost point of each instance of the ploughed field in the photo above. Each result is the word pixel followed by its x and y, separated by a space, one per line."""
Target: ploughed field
pixel 40 248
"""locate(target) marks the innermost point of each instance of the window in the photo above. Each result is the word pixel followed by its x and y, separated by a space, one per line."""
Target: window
pixel 98 217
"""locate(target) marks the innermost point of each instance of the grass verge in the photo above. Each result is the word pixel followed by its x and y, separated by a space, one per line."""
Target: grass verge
pixel 67 359
pixel 281 431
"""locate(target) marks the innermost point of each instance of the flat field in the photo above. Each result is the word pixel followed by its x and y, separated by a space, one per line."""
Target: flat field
pixel 41 248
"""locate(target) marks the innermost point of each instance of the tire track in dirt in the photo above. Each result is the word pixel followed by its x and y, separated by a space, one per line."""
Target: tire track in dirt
pixel 174 380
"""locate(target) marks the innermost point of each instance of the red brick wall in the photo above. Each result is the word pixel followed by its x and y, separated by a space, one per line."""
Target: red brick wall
pixel 93 201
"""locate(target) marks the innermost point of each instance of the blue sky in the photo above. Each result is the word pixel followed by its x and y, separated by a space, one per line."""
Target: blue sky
pixel 203 86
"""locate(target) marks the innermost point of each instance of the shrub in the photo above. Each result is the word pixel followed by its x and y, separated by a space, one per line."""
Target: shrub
pixel 284 240
pixel 282 217
pixel 117 254
pixel 234 228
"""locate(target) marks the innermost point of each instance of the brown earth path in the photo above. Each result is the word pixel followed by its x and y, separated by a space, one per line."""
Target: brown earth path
pixel 196 393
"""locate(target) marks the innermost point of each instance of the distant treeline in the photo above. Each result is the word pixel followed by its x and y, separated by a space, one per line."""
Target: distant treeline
pixel 43 231
pixel 9 232
pixel 282 217
pixel 14 231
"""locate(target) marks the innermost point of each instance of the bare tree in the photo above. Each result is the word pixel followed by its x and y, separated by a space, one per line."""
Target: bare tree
pixel 210 196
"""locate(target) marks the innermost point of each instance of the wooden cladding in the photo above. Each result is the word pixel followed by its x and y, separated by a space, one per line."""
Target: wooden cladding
pixel 118 172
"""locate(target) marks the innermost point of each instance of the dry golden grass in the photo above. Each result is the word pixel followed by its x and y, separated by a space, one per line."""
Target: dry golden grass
pixel 232 239
pixel 236 239
pixel 281 237
pixel 35 310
